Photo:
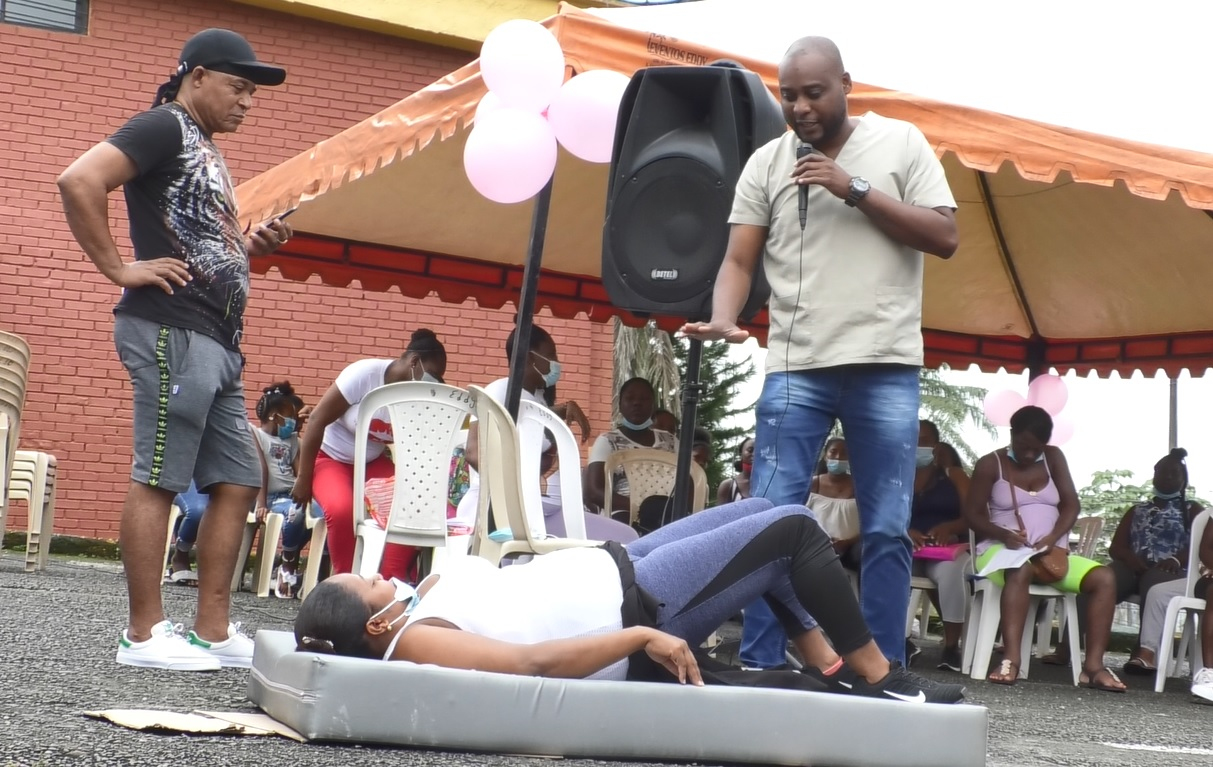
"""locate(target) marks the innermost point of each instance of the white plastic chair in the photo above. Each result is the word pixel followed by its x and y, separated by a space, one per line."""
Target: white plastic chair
pixel 920 605
pixel 32 479
pixel 14 374
pixel 315 554
pixel 651 472
pixel 271 536
pixel 985 615
pixel 1088 530
pixel 1189 643
pixel 501 487
pixel 533 420
pixel 267 548
pixel 426 421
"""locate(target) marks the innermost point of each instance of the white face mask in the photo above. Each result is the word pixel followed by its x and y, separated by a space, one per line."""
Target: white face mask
pixel 425 376
pixel 404 593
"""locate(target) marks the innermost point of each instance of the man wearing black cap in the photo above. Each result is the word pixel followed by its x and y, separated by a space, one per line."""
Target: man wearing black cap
pixel 177 329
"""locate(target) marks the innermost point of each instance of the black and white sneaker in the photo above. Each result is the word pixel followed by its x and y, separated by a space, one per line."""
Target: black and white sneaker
pixel 904 685
pixel 841 681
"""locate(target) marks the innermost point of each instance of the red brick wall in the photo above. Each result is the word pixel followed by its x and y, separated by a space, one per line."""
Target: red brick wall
pixel 60 93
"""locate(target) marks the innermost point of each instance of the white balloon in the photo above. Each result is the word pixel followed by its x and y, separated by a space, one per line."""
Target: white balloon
pixel 585 111
pixel 521 61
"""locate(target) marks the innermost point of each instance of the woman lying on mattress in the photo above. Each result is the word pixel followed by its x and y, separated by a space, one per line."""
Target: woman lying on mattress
pixel 612 612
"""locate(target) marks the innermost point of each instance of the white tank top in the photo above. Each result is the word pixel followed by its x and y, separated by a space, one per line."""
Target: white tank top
pixel 566 594
pixel 839 517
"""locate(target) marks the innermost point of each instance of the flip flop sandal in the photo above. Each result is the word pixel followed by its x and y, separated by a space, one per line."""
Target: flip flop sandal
pixel 188 577
pixel 1139 667
pixel 1055 659
pixel 1007 673
pixel 1087 679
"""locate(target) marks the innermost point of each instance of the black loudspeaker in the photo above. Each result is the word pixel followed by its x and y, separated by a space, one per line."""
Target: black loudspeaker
pixel 683 136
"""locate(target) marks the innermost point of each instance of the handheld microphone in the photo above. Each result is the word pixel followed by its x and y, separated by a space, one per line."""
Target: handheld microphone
pixel 804 150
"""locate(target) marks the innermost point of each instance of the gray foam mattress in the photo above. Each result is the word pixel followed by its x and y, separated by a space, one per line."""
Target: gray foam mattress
pixel 330 698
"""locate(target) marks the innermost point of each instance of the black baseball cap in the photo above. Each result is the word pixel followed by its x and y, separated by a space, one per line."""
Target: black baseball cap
pixel 223 50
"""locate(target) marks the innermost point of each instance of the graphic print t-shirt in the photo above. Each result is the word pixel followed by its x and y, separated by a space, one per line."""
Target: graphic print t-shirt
pixel 182 205
pixel 354 383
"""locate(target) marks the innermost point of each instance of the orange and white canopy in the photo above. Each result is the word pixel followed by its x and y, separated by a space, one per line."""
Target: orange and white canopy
pixel 1078 251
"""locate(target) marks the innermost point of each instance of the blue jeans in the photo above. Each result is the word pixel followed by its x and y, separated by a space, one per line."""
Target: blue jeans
pixel 193 504
pixel 878 408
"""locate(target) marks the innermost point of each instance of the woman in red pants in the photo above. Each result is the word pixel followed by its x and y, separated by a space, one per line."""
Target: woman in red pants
pixel 326 462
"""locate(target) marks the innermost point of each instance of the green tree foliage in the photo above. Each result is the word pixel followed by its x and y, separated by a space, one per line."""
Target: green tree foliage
pixel 719 379
pixel 951 407
pixel 646 352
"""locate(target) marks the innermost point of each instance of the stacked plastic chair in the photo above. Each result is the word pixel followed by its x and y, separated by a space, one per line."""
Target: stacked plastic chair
pixel 33 480
pixel 14 372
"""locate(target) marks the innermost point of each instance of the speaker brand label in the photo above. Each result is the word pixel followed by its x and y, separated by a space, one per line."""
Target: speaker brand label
pixel 667 275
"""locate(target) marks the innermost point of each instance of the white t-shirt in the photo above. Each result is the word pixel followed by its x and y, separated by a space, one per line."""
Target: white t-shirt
pixel 842 291
pixel 354 383
pixel 466 512
pixel 279 458
pixel 563 595
pixel 615 439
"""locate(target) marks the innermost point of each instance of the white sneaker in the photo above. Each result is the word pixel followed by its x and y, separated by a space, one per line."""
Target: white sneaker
pixel 1202 685
pixel 234 652
pixel 167 649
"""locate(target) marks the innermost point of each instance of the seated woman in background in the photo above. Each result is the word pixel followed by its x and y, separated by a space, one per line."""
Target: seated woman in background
pixel 936 520
pixel 1154 630
pixel 538 386
pixel 832 499
pixel 601 612
pixel 737 487
pixel 1023 495
pixel 326 460
pixel 1149 547
pixel 635 430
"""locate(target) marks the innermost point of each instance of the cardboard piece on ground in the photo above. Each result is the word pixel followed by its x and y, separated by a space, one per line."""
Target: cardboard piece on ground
pixel 257 721
pixel 197 723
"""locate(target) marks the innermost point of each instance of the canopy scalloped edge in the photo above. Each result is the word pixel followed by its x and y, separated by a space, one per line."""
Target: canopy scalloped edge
pixel 981 140
pixel 456 280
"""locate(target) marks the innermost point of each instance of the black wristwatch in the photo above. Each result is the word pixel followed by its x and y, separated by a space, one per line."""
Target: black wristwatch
pixel 859 190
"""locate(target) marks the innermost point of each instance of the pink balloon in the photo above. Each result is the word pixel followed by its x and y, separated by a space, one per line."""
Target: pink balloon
pixel 1001 405
pixel 510 154
pixel 585 111
pixel 521 61
pixel 490 103
pixel 1063 430
pixel 1048 392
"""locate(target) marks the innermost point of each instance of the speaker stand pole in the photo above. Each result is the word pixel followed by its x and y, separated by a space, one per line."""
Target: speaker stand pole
pixel 526 301
pixel 691 390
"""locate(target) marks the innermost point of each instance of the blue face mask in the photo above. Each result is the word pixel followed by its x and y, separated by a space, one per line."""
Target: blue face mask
pixel 1011 455
pixel 1160 495
pixel 551 377
pixel 923 457
pixel 404 593
pixel 636 426
pixel 286 429
pixel 838 468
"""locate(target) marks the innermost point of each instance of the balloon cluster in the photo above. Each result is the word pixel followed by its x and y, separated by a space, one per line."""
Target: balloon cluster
pixel 511 152
pixel 1047 392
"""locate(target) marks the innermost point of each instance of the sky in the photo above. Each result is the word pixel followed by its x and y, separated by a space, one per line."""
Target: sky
pixel 1118 423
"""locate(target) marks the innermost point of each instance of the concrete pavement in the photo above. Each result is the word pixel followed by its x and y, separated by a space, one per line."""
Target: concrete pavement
pixel 58 632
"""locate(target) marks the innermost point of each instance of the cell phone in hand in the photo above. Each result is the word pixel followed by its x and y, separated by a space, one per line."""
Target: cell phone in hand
pixel 284 215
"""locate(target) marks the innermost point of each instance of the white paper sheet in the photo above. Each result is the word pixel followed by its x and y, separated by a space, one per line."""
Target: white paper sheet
pixel 1009 559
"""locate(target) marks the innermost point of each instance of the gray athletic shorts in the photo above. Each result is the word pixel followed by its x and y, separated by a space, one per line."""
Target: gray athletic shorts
pixel 190 420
